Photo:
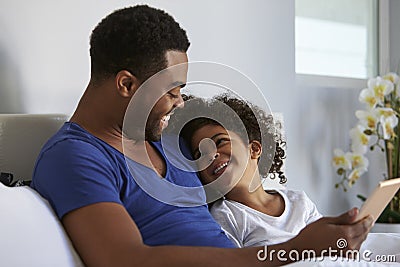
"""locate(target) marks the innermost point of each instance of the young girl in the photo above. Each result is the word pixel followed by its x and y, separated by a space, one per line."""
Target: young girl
pixel 249 217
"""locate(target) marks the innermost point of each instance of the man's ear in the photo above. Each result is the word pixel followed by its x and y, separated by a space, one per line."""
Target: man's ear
pixel 126 83
pixel 255 149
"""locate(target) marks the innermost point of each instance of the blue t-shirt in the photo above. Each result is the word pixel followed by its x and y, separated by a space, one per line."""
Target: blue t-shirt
pixel 76 169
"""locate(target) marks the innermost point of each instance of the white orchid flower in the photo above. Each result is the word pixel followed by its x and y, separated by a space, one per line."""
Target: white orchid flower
pixel 385 112
pixel 395 79
pixel 380 87
pixel 382 98
pixel 359 165
pixel 388 124
pixel 368 118
pixel 368 97
pixel 391 76
pixel 340 160
pixel 355 175
pixel 388 120
pixel 359 140
pixel 358 161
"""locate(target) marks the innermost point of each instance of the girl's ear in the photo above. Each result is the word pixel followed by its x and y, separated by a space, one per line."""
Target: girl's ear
pixel 255 149
pixel 126 83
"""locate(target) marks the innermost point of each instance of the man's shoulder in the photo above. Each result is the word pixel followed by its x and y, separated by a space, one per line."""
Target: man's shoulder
pixel 70 131
pixel 72 137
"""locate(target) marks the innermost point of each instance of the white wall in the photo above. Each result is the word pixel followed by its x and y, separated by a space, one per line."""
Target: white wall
pixel 44 45
pixel 44 67
pixel 321 122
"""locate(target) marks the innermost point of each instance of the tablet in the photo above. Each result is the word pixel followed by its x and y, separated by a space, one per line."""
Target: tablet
pixel 380 197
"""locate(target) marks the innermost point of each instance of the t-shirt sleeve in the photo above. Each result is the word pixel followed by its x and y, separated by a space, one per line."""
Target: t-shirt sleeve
pixel 74 173
pixel 313 213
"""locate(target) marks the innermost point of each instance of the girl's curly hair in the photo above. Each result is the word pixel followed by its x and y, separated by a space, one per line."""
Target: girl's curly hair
pixel 256 122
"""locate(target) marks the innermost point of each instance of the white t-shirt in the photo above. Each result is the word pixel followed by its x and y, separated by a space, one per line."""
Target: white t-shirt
pixel 247 227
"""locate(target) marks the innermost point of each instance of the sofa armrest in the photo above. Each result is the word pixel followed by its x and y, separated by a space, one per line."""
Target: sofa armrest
pixel 31 234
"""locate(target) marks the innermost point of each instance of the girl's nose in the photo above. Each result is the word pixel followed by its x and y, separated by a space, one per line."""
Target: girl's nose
pixel 212 158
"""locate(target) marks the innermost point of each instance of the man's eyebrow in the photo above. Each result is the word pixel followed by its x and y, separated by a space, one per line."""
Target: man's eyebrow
pixel 177 83
pixel 196 151
pixel 216 135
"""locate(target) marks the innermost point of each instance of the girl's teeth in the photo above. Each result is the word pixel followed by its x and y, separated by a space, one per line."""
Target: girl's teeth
pixel 220 167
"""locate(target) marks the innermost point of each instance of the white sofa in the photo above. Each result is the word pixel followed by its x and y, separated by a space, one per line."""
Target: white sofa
pixel 30 232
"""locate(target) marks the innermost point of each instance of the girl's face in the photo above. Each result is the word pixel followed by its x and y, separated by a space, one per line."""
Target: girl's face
pixel 230 156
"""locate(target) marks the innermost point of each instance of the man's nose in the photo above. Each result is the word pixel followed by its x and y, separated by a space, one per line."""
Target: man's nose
pixel 180 103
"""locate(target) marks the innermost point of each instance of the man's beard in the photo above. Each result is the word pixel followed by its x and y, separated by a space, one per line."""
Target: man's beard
pixel 153 131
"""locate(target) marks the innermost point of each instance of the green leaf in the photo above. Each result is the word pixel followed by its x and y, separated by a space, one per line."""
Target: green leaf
pixel 389 216
pixel 361 197
pixel 384 217
pixel 395 216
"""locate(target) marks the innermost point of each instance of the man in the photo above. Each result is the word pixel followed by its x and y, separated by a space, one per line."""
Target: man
pixel 82 170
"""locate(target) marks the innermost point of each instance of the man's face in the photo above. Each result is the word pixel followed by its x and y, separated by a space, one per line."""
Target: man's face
pixel 175 79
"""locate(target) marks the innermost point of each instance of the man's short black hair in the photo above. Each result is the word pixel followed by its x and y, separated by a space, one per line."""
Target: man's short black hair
pixel 134 39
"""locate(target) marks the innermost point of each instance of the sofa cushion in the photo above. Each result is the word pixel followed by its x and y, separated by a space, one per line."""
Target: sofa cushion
pixel 30 233
pixel 21 138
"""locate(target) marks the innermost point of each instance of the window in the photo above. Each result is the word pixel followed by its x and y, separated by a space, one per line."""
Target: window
pixel 337 38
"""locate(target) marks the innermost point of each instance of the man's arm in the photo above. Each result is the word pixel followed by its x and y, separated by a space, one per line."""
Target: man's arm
pixel 105 235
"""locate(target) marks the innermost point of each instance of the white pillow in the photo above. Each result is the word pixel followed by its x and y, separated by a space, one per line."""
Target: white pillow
pixel 30 232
